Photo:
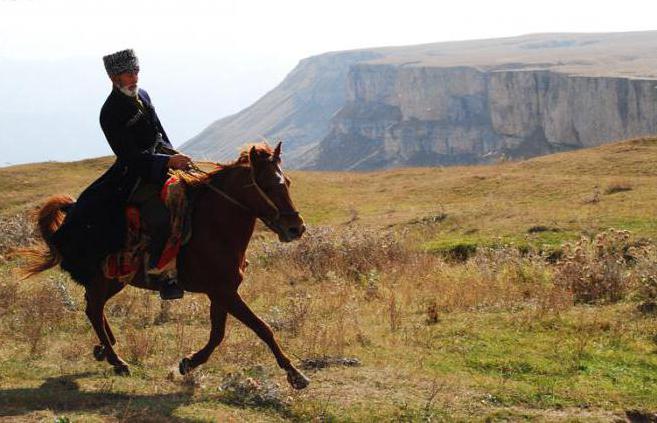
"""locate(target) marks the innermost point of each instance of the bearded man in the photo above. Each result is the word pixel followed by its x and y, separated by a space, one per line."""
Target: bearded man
pixel 96 225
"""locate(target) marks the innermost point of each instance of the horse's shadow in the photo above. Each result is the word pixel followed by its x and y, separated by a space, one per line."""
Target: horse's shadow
pixel 63 395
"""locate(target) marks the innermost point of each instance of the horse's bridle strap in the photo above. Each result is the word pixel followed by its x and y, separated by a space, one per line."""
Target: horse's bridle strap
pixel 264 194
pixel 253 183
pixel 228 197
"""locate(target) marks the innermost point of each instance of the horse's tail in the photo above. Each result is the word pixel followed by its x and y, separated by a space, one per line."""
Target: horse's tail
pixel 45 255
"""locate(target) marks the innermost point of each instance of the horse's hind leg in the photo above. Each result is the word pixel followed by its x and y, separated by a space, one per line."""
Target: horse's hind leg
pixel 238 308
pixel 99 350
pixel 100 353
pixel 114 288
pixel 97 294
pixel 218 320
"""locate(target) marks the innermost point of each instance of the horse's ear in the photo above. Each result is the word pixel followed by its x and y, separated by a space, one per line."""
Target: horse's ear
pixel 253 155
pixel 277 150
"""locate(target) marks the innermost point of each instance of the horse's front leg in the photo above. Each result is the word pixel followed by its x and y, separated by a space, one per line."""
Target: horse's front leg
pixel 218 320
pixel 238 308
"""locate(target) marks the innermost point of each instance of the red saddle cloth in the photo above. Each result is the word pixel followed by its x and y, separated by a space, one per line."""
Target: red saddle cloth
pixel 123 265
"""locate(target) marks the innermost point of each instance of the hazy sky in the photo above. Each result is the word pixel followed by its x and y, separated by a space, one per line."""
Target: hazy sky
pixel 202 60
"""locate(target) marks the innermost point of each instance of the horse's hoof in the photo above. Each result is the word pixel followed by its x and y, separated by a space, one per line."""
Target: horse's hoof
pixel 100 353
pixel 122 370
pixel 185 366
pixel 297 379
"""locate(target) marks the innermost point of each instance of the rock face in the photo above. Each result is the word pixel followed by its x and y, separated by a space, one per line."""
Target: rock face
pixel 418 116
pixel 452 103
pixel 297 111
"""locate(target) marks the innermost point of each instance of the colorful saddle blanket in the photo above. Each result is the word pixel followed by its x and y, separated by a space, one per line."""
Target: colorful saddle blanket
pixel 125 264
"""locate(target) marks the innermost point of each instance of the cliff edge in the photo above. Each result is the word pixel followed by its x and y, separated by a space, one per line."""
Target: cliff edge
pixel 452 103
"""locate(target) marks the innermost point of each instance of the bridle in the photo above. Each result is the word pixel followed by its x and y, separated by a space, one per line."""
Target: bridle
pixel 271 221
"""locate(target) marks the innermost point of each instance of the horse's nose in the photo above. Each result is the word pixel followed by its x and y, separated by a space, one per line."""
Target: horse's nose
pixel 296 232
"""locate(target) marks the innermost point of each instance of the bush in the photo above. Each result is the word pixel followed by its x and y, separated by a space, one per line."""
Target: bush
pixel 292 317
pixel 141 344
pixel 596 269
pixel 37 312
pixel 460 252
pixel 644 273
pixel 351 252
pixel 618 186
pixel 508 277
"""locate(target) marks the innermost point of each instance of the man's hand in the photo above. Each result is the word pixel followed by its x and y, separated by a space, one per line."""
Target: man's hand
pixel 179 161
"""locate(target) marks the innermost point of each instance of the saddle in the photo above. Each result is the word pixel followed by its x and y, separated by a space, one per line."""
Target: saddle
pixel 131 259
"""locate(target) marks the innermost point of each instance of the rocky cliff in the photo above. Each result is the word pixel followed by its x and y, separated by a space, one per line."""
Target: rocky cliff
pixel 452 103
pixel 416 116
pixel 297 111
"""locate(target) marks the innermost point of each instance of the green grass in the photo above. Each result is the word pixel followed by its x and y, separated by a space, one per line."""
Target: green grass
pixel 560 366
pixel 459 246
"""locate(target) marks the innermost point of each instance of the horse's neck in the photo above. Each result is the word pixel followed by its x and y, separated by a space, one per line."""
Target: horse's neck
pixel 222 222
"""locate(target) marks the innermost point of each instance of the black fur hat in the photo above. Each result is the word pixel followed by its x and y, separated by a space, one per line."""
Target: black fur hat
pixel 121 61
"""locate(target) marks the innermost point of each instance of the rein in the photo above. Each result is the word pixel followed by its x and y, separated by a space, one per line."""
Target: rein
pixel 263 194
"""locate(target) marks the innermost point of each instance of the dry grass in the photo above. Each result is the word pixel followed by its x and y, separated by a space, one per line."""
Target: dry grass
pixel 513 331
pixel 406 311
pixel 500 200
pixel 17 231
pixel 34 311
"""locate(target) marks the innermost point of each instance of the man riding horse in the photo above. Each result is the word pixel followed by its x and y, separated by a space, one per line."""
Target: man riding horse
pixel 144 154
pixel 227 201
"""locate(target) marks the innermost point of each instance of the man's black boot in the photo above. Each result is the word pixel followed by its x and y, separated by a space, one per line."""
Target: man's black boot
pixel 169 289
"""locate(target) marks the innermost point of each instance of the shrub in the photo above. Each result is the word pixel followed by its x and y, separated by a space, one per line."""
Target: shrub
pixel 141 344
pixel 461 252
pixel 595 269
pixel 37 312
pixel 61 283
pixel 644 272
pixel 292 317
pixel 618 186
pixel 351 252
pixel 510 277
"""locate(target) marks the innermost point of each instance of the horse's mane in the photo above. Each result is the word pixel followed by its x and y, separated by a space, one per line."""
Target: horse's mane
pixel 197 179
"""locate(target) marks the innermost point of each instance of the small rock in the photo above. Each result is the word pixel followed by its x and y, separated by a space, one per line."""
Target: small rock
pixel 315 363
pixel 648 307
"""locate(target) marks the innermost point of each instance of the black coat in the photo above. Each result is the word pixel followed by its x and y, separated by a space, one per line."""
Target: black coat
pixel 96 225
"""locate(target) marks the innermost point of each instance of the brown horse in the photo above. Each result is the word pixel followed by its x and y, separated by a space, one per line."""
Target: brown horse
pixel 227 203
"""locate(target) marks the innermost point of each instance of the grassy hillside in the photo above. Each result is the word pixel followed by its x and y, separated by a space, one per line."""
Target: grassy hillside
pixel 506 335
pixel 569 193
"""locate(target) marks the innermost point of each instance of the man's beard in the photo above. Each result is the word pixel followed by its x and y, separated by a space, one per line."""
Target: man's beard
pixel 127 91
